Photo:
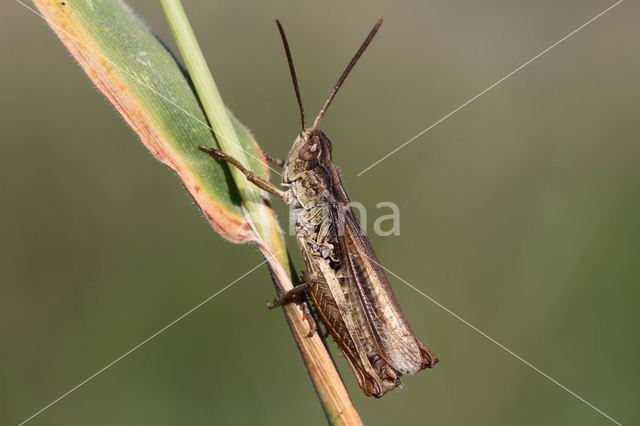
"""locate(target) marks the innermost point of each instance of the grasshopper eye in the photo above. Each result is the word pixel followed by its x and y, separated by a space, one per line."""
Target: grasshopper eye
pixel 311 149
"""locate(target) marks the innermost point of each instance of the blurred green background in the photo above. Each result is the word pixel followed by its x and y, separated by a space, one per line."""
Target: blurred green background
pixel 520 213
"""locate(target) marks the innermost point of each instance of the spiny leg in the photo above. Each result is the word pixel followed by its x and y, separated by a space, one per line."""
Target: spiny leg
pixel 251 177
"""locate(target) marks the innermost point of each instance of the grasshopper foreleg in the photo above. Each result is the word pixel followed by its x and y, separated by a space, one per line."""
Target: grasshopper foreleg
pixel 251 177
pixel 290 296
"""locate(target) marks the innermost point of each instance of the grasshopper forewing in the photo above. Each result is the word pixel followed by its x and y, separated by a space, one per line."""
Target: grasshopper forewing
pixel 343 277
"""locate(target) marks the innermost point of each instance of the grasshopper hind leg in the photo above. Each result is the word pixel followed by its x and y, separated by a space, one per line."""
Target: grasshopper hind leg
pixel 429 358
pixel 389 376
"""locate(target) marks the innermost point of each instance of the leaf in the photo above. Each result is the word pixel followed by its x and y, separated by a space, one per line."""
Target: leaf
pixel 149 89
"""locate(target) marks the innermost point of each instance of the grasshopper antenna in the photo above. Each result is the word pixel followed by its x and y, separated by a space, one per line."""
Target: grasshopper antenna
pixel 292 69
pixel 346 73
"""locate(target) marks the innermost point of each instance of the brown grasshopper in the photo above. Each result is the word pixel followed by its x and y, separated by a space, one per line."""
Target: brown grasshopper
pixel 343 277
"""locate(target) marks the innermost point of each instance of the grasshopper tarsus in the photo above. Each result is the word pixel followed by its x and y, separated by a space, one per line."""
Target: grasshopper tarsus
pixel 210 150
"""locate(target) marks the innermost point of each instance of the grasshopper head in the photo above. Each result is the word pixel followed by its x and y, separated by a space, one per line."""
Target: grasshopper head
pixel 310 149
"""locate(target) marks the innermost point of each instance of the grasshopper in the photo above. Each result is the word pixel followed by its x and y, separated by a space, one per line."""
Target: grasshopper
pixel 344 279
